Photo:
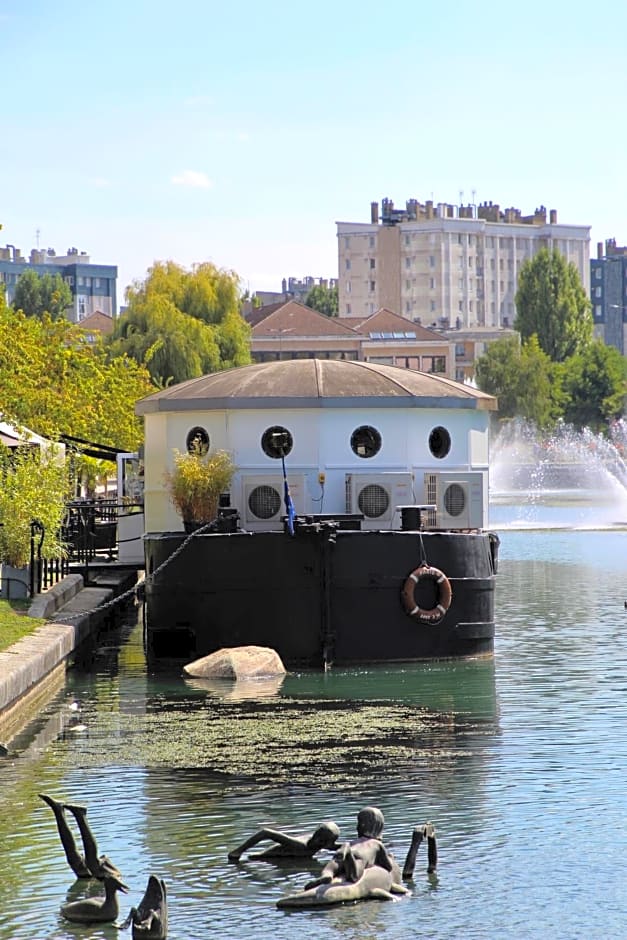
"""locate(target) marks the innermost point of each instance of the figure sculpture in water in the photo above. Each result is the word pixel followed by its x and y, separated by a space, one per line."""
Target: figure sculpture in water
pixel 150 919
pixel 96 910
pixel 364 868
pixel 287 846
pixel 89 865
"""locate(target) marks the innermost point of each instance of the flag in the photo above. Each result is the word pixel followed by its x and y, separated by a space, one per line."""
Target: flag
pixel 289 505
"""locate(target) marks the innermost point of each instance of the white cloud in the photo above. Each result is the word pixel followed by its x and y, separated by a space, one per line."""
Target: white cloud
pixel 193 178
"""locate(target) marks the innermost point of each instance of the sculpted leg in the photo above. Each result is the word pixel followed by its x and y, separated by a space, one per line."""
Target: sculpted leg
pixel 74 859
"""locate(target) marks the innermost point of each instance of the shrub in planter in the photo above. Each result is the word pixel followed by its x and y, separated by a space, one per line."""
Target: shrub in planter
pixel 195 484
pixel 33 486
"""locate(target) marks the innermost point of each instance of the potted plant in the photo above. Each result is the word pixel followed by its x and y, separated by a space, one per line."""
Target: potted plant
pixel 195 484
pixel 33 488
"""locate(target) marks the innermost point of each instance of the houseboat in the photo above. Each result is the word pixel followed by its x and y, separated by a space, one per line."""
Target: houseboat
pixel 355 529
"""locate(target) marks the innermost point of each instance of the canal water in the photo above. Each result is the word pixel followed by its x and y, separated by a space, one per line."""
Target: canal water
pixel 520 762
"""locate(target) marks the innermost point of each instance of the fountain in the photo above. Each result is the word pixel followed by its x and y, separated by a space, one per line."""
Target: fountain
pixel 565 478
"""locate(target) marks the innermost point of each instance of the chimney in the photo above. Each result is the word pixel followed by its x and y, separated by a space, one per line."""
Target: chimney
pixel 553 217
pixel 374 212
pixel 599 250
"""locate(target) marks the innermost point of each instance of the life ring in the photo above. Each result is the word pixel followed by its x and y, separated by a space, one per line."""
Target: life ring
pixel 443 599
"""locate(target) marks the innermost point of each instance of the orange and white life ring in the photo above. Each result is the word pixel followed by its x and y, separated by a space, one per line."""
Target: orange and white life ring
pixel 443 597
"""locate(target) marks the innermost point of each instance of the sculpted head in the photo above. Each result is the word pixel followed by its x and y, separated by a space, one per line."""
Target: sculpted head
pixel 370 822
pixel 324 837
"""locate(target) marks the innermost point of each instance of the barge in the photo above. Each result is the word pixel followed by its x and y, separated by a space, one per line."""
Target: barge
pixel 355 529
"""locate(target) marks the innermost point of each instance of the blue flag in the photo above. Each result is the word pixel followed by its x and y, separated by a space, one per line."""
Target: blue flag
pixel 289 505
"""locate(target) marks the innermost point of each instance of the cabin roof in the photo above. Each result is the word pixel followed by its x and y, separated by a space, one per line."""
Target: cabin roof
pixel 315 383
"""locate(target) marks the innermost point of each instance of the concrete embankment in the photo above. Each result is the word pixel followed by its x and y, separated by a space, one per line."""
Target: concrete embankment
pixel 34 668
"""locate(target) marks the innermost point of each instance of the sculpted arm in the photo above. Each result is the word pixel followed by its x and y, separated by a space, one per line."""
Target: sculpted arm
pixel 272 835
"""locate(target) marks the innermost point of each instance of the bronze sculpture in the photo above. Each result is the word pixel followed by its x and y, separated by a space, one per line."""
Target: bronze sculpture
pixel 287 846
pixel 89 865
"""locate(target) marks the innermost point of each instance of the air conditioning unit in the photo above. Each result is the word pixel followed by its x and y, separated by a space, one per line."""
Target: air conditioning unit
pixel 377 495
pixel 263 501
pixel 461 500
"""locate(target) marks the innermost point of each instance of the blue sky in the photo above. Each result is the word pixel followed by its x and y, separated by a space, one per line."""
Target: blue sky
pixel 241 132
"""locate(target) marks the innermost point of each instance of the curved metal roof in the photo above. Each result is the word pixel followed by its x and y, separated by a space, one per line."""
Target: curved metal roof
pixel 315 383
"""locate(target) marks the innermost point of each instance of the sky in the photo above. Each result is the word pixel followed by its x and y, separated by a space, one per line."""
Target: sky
pixel 239 133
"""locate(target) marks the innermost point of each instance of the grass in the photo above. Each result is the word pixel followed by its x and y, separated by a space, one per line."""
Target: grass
pixel 14 622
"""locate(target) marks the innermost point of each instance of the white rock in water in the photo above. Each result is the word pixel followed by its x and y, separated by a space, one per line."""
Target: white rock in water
pixel 237 662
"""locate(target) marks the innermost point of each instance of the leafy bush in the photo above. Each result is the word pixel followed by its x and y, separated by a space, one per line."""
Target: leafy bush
pixel 33 486
pixel 196 482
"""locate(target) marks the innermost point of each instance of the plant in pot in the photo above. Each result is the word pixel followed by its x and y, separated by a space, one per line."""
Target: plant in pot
pixel 33 487
pixel 195 484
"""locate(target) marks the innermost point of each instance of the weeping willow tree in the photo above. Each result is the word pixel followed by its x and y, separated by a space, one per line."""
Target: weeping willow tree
pixel 182 324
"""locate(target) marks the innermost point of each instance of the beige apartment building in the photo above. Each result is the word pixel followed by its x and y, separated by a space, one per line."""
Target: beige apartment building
pixel 447 266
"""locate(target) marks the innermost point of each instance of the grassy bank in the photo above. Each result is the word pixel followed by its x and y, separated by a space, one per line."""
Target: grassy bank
pixel 14 622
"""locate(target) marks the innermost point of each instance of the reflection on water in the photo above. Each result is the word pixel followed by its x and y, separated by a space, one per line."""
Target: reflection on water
pixel 519 761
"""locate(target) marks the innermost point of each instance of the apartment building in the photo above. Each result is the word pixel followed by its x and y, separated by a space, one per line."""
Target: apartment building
pixel 447 266
pixel 93 286
pixel 608 293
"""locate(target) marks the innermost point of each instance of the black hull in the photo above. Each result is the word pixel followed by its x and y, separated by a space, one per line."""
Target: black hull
pixel 324 596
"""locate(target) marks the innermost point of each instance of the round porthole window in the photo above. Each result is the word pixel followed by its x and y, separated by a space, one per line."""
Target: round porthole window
pixel 439 442
pixel 264 502
pixel 197 441
pixel 373 501
pixel 365 441
pixel 276 442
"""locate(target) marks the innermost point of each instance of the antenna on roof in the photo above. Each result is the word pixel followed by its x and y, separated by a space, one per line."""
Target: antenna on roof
pixel 37 234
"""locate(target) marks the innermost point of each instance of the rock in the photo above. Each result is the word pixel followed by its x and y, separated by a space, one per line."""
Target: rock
pixel 237 662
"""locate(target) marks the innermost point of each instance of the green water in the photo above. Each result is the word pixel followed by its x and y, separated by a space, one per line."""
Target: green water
pixel 519 761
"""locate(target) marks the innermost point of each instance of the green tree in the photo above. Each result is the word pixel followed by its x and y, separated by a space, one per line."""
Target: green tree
pixel 54 382
pixel 552 303
pixel 182 324
pixel 522 377
pixel 595 387
pixel 323 299
pixel 38 294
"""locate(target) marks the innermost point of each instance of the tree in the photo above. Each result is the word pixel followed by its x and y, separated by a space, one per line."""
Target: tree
pixel 552 303
pixel 595 387
pixel 522 377
pixel 182 324
pixel 323 299
pixel 55 383
pixel 37 294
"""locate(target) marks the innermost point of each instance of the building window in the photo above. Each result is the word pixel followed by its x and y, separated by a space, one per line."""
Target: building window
pixel 598 311
pixel 470 306
pixel 347 241
pixel 348 264
pixel 348 310
pixel 365 441
pixel 348 287
pixel 82 306
pixel 96 282
pixel 70 280
pixel 407 263
pixel 276 442
pixel 371 241
pixel 431 261
pixel 373 264
pixel 408 306
pixel 598 291
pixel 373 284
pixel 432 283
pixel 432 306
pixel 407 285
pixel 87 282
pixel 81 281
pixel 407 241
pixel 597 273
pixel 197 441
pixel 439 439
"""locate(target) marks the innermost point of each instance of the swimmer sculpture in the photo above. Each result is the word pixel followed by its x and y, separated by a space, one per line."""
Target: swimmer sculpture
pixel 96 910
pixel 91 865
pixel 286 846
pixel 363 868
pixel 150 919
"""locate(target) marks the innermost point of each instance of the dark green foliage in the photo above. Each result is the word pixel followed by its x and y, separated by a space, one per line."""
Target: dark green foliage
pixel 323 299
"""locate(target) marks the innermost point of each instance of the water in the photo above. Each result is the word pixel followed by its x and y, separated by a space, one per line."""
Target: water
pixel 520 763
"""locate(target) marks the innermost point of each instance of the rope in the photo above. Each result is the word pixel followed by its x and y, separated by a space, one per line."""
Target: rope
pixel 142 581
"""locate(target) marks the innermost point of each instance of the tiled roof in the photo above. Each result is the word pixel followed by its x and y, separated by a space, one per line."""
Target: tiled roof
pixel 295 319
